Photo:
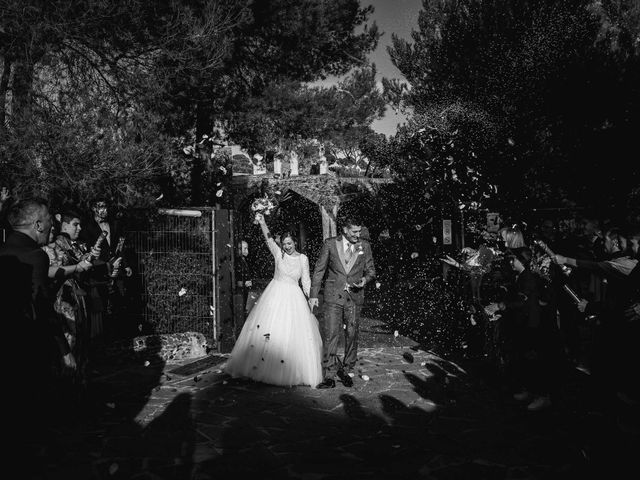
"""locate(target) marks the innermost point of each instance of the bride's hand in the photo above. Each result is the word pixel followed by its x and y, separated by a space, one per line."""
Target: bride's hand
pixel 260 218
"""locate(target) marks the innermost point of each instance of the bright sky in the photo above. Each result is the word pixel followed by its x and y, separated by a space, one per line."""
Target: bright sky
pixel 399 17
pixel 391 16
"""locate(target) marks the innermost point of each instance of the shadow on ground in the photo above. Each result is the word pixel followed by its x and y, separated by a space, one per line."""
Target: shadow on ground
pixel 420 415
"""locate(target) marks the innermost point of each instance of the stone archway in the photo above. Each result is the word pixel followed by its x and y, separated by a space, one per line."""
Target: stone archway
pixel 326 191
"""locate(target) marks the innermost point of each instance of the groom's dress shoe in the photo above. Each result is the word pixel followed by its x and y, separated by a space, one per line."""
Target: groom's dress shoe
pixel 346 379
pixel 327 383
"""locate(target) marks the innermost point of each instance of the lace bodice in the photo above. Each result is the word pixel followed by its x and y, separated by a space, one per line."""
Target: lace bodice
pixel 291 269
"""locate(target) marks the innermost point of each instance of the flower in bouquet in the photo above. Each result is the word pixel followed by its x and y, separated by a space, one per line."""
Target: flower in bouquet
pixel 263 205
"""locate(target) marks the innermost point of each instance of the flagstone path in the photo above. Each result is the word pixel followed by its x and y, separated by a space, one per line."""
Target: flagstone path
pixel 410 414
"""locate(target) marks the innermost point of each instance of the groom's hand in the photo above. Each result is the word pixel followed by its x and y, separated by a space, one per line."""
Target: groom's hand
pixel 313 302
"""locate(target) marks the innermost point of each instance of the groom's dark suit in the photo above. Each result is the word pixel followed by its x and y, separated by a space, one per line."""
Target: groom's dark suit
pixel 341 306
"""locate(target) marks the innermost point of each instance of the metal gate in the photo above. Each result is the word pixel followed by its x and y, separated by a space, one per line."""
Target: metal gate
pixel 184 270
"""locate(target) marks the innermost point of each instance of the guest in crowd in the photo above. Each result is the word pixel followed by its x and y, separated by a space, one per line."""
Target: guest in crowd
pixel 505 276
pixel 634 242
pixel 33 304
pixel 613 352
pixel 513 236
pixel 546 243
pixel 532 350
pixel 245 276
pixel 100 278
pixel 67 262
pixel 35 336
pixel 4 201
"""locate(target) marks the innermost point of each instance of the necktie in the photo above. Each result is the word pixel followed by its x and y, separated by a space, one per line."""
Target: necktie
pixel 349 253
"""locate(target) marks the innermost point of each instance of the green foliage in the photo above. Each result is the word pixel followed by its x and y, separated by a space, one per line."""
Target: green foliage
pixel 441 162
pixel 378 150
pixel 283 115
pixel 558 79
pixel 82 150
pixel 199 174
pixel 142 73
pixel 421 305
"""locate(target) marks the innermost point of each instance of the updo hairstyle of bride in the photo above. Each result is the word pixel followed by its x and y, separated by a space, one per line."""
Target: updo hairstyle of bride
pixel 287 234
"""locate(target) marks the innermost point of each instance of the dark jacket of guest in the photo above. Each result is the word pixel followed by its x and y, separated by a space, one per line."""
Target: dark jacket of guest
pixel 91 231
pixel 28 299
pixel 523 302
pixel 89 235
pixel 621 274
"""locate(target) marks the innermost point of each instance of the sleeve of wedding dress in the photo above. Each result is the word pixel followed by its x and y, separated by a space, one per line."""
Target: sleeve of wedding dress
pixel 273 247
pixel 306 278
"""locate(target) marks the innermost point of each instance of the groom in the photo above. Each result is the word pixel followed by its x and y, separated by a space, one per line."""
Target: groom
pixel 345 265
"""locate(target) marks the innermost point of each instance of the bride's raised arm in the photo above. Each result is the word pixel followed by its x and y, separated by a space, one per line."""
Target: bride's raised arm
pixel 271 243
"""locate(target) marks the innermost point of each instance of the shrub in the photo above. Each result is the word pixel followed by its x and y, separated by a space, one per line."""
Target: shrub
pixel 422 305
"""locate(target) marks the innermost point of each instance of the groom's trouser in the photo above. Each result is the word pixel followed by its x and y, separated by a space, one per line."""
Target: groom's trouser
pixel 337 318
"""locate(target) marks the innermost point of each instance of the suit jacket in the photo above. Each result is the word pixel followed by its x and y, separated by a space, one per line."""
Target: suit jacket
pixel 523 303
pixel 27 298
pixel 333 269
pixel 89 235
pixel 91 231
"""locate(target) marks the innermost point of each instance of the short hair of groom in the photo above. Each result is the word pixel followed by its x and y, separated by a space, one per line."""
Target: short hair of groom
pixel 351 221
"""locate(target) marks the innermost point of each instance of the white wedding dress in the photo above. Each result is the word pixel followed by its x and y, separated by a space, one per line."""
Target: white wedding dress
pixel 280 343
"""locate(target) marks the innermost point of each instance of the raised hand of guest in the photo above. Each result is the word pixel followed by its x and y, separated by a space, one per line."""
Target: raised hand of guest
pixel 451 261
pixel 83 265
pixel 560 259
pixel 633 312
pixel 582 306
pixel 69 362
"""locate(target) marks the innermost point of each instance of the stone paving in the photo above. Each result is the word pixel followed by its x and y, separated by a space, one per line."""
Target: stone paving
pixel 410 414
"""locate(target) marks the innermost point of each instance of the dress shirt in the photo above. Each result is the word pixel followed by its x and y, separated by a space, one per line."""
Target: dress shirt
pixel 348 246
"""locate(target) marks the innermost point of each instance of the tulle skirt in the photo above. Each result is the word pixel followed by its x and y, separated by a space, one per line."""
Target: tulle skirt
pixel 280 343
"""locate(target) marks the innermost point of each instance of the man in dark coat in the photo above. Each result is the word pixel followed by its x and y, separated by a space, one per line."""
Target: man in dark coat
pixel 28 300
pixel 345 265
pixel 38 350
pixel 105 293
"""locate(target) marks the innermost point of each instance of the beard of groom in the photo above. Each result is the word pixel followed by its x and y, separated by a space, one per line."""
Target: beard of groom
pixel 345 265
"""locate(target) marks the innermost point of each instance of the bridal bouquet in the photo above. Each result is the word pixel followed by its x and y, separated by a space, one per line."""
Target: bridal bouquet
pixel 262 205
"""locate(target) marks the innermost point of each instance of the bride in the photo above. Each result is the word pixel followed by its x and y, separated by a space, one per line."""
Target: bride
pixel 280 343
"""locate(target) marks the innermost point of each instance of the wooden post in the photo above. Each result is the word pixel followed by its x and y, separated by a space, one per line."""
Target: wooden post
pixel 334 220
pixel 322 162
pixel 293 163
pixel 302 235
pixel 223 268
pixel 329 227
